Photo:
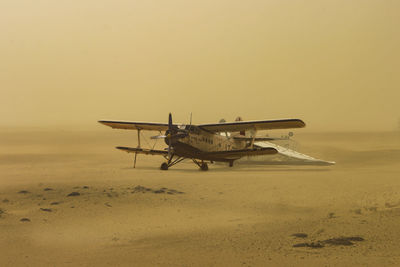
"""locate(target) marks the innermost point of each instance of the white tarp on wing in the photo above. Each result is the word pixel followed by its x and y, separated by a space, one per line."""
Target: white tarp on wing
pixel 289 154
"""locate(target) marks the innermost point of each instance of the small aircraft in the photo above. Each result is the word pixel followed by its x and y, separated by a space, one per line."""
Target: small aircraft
pixel 217 142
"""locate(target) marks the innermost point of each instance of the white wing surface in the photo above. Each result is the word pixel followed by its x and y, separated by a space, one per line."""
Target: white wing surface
pixel 293 154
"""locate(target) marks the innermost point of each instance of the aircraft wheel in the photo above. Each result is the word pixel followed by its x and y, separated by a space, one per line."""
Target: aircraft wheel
pixel 204 167
pixel 164 166
pixel 230 163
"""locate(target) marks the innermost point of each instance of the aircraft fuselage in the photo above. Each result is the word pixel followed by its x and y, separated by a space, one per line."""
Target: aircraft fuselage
pixel 199 143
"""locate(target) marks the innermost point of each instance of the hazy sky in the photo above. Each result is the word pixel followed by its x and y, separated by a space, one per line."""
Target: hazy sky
pixel 334 64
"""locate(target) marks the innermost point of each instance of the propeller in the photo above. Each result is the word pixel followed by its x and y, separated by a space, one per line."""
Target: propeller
pixel 158 137
pixel 173 132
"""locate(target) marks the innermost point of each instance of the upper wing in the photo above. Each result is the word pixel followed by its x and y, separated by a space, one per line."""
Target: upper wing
pixel 130 125
pixel 238 126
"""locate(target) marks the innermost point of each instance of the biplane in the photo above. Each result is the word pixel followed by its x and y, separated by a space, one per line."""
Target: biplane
pixel 206 143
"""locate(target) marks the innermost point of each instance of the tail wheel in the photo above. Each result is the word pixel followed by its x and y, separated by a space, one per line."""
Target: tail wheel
pixel 204 166
pixel 164 166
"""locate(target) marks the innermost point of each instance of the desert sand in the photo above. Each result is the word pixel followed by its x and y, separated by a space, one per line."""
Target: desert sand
pixel 68 198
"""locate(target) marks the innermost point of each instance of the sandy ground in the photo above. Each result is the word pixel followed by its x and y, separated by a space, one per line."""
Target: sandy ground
pixel 240 216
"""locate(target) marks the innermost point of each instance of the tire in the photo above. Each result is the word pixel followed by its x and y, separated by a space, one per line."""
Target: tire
pixel 204 167
pixel 164 166
pixel 231 163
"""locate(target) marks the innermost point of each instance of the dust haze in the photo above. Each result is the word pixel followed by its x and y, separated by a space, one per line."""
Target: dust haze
pixel 334 64
pixel 69 198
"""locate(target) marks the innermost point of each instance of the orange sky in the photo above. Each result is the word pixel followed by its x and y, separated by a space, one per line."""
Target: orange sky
pixel 334 64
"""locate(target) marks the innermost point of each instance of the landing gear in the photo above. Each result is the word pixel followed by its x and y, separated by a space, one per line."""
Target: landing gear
pixel 204 166
pixel 164 166
pixel 231 163
pixel 170 162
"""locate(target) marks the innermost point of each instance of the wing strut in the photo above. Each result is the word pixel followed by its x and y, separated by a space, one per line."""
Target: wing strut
pixel 253 138
pixel 138 136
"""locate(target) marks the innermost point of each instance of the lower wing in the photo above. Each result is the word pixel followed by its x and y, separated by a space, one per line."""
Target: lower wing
pixel 143 150
pixel 230 154
pixel 236 154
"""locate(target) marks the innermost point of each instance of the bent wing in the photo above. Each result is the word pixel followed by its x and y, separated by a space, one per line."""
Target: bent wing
pixel 130 125
pixel 142 150
pixel 292 153
pixel 236 154
pixel 238 126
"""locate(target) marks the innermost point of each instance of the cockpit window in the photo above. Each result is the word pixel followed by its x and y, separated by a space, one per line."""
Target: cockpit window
pixel 192 129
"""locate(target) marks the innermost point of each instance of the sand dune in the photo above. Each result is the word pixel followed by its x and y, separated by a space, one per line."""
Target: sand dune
pixel 70 199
